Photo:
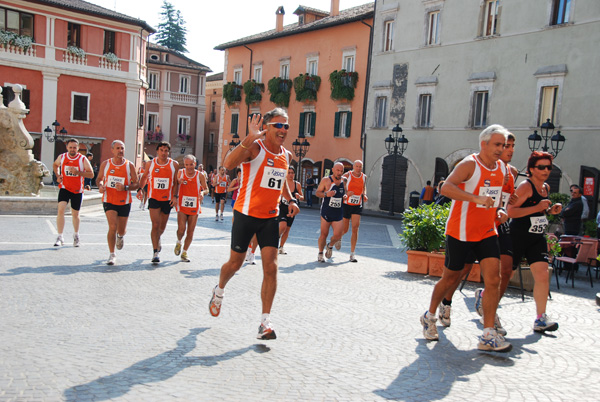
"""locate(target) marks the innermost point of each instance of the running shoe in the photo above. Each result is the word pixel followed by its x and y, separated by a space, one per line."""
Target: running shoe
pixel 328 251
pixel 478 305
pixel 282 250
pixel 76 242
pixel 353 258
pixel 248 252
pixel 111 259
pixel 544 324
pixel 155 259
pixel 221 216
pixel 251 258
pixel 338 244
pixel 494 342
pixel 498 326
pixel 320 258
pixel 429 329
pixel 444 314
pixel 215 303
pixel 217 218
pixel 120 242
pixel 59 241
pixel 177 248
pixel 266 331
pixel 184 257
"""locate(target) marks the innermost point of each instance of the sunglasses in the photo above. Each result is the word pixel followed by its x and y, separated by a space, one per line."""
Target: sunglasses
pixel 543 167
pixel 279 125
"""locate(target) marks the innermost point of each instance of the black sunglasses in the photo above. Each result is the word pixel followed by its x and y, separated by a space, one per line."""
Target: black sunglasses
pixel 279 125
pixel 542 167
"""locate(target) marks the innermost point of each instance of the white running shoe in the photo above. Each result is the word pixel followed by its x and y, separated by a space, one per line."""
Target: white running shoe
pixel 251 258
pixel 111 259
pixel 282 250
pixel 494 342
pixel 353 258
pixel 266 331
pixel 217 218
pixel 328 251
pixel 338 244
pixel 76 242
pixel 429 328
pixel 444 314
pixel 221 216
pixel 478 300
pixel 59 241
pixel 544 324
pixel 120 242
pixel 177 248
pixel 155 258
pixel 320 258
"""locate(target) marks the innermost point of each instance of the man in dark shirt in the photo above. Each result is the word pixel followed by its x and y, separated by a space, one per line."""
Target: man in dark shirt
pixel 310 185
pixel 572 213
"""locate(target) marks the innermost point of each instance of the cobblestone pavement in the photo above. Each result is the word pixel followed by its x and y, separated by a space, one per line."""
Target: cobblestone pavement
pixel 74 329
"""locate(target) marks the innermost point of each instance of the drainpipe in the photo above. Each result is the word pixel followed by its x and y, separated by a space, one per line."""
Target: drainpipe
pixel 249 77
pixel 363 139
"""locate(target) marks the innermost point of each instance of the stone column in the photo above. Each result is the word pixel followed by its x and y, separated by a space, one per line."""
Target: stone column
pixel 49 109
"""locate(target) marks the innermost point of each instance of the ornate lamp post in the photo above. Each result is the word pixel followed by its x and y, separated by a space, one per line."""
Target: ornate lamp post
pixel 235 141
pixel 300 150
pixel 395 146
pixel 58 135
pixel 557 141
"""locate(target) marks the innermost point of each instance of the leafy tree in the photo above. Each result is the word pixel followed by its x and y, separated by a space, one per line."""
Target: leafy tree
pixel 172 30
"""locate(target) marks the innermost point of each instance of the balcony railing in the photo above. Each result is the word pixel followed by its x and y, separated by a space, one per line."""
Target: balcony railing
pixel 73 59
pixel 153 94
pixel 183 98
pixel 30 51
pixel 104 63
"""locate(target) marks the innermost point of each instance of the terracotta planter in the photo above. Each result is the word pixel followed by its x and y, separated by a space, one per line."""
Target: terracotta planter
pixel 418 262
pixel 436 263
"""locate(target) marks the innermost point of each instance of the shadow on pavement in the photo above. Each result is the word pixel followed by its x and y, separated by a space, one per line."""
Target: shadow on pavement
pixel 200 273
pixel 154 369
pixel 100 266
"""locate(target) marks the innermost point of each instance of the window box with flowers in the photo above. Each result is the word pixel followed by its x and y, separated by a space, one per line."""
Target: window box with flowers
pixel 8 39
pixel 343 84
pixel 154 136
pixel 253 91
pixel 111 58
pixel 280 90
pixel 183 137
pixel 232 93
pixel 76 51
pixel 306 87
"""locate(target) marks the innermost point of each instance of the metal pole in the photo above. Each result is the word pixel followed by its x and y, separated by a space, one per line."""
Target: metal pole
pixel 394 178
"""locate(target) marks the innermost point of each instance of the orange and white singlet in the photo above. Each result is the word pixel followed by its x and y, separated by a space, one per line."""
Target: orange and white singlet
pixel 189 193
pixel 356 185
pixel 509 188
pixel 222 182
pixel 160 180
pixel 469 221
pixel 70 181
pixel 114 174
pixel 262 183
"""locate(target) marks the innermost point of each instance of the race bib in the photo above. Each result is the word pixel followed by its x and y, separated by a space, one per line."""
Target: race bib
pixel 273 178
pixel 354 199
pixel 538 224
pixel 71 171
pixel 494 192
pixel 113 180
pixel 335 202
pixel 188 202
pixel 505 199
pixel 223 184
pixel 161 183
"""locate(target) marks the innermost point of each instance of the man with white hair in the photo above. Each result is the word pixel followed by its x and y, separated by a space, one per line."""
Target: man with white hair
pixel 332 190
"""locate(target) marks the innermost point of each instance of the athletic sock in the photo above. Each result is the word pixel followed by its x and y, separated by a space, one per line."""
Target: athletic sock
pixel 219 292
pixel 264 318
pixel 446 302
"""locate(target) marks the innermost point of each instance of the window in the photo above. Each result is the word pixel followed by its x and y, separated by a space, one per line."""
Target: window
pixel 16 22
pixel 381 112
pixel 258 73
pixel 237 76
pixel 141 116
pixel 561 11
pixel 211 142
pixel 425 110
pixel 480 108
pixel 183 126
pixel 433 33
pixel 342 125
pixel 152 121
pixel 234 123
pixel 213 112
pixel 388 36
pixel 109 42
pixel 284 70
pixel 73 34
pixel 80 107
pixel 307 123
pixel 349 63
pixel 548 104
pixel 490 18
pixel 184 84
pixel 153 81
pixel 312 65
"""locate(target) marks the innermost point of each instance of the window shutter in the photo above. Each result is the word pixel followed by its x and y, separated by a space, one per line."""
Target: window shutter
pixel 312 123
pixel 336 125
pixel 348 124
pixel 234 123
pixel 301 124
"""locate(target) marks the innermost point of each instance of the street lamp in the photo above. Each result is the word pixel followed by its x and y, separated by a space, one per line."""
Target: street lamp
pixel 300 149
pixel 395 146
pixel 58 135
pixel 235 141
pixel 557 141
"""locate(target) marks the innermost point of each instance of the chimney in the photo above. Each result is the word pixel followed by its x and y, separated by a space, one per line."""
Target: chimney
pixel 279 21
pixel 335 8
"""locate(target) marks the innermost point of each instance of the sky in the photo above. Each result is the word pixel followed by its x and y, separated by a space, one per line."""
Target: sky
pixel 211 23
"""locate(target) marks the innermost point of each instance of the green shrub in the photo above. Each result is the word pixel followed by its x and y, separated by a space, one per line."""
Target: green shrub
pixel 343 84
pixel 306 87
pixel 232 93
pixel 558 197
pixel 280 90
pixel 253 91
pixel 424 227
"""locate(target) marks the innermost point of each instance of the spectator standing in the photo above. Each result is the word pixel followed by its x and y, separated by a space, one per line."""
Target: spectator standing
pixel 427 194
pixel 310 186
pixel 572 213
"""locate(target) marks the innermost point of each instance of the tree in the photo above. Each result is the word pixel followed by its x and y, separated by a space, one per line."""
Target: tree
pixel 171 31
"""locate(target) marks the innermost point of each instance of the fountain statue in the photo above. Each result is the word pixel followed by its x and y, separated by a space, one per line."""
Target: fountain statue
pixel 20 173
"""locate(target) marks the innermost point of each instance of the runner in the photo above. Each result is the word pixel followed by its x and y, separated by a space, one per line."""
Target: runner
pixel 331 189
pixel 528 228
pixel 191 186
pixel 220 183
pixel 160 175
pixel 356 183
pixel 475 186
pixel 285 221
pixel 234 186
pixel 116 179
pixel 203 172
pixel 264 163
pixel 144 190
pixel 70 169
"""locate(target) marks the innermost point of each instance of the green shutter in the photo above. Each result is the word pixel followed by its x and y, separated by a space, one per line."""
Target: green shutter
pixel 301 124
pixel 348 124
pixel 312 123
pixel 336 125
pixel 234 123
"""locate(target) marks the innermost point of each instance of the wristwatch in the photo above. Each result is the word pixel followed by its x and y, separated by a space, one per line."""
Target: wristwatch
pixel 293 200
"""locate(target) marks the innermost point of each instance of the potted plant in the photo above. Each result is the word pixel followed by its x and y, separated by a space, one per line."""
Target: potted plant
pixel 343 84
pixel 232 93
pixel 253 91
pixel 280 90
pixel 423 233
pixel 306 87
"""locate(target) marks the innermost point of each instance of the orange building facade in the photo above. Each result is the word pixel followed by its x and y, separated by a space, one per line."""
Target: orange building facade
pixel 306 52
pixel 214 97
pixel 82 66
